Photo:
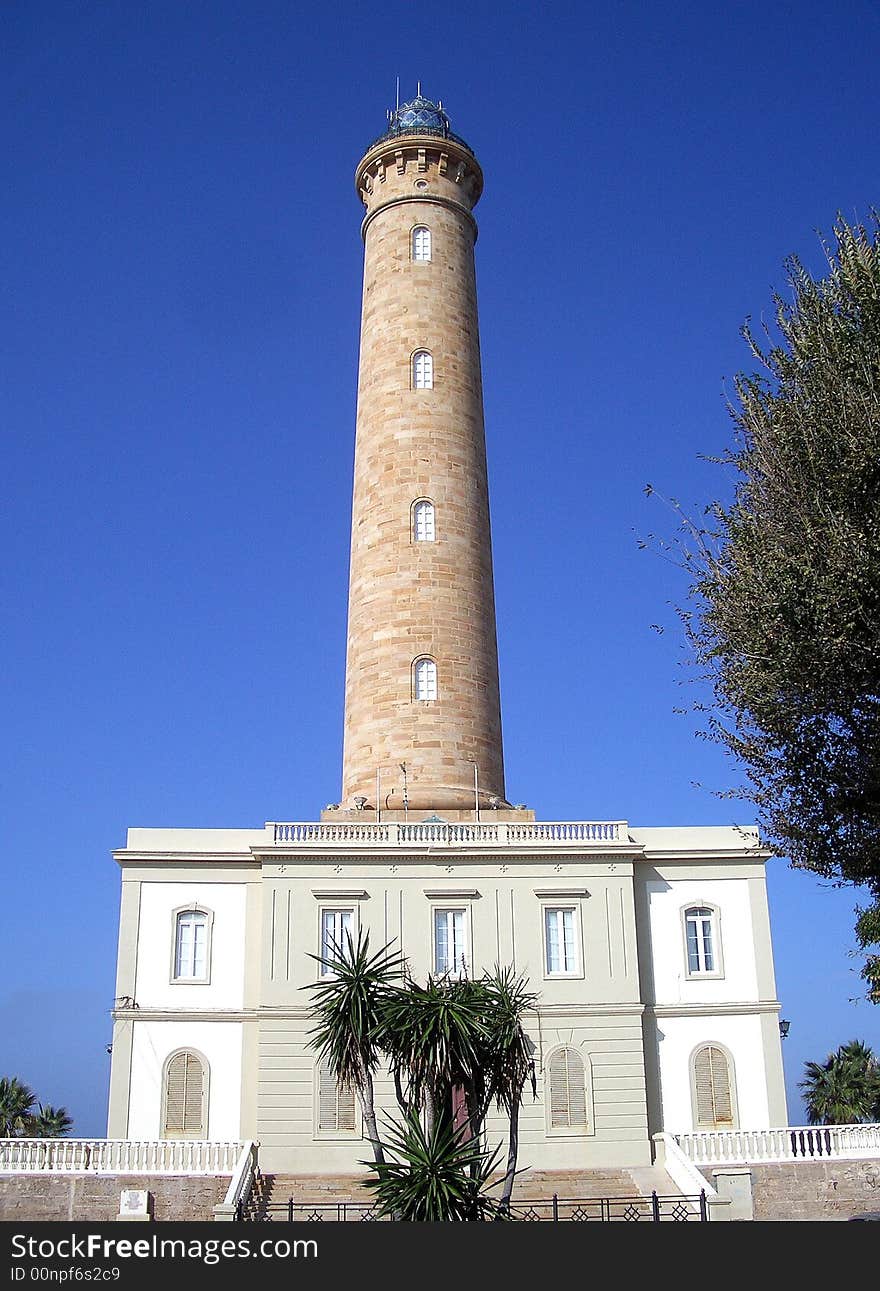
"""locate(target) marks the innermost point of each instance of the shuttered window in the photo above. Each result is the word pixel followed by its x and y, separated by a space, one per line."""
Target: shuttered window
pixel 336 1113
pixel 185 1098
pixel 422 370
pixel 567 1091
pixel 423 521
pixel 712 1089
pixel 425 679
pixel 421 243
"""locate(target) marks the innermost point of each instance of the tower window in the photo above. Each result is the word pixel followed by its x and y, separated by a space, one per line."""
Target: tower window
pixel 422 370
pixel 425 679
pixel 421 243
pixel 423 521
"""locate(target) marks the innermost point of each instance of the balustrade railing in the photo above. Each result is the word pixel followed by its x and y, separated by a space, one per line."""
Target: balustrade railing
pixel 793 1143
pixel 118 1156
pixel 443 834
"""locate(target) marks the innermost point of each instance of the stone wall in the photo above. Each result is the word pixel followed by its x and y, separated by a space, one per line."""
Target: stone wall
pixel 815 1189
pixel 66 1197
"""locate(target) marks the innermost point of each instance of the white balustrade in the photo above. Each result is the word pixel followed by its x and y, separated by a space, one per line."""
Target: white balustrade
pixel 792 1143
pixel 118 1156
pixel 445 834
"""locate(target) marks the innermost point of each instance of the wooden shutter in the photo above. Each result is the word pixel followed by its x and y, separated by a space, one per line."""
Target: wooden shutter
pixel 336 1111
pixel 714 1104
pixel 184 1097
pixel 568 1095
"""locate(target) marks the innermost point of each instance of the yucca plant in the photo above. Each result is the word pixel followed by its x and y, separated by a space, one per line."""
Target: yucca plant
pixel 433 1175
pixel 348 1023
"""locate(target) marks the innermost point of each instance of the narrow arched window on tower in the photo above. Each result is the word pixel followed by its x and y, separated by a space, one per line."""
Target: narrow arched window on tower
pixel 425 679
pixel 183 1115
pixel 712 1086
pixel 422 370
pixel 421 243
pixel 423 521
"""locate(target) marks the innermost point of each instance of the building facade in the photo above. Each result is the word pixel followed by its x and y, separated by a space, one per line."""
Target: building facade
pixel 649 949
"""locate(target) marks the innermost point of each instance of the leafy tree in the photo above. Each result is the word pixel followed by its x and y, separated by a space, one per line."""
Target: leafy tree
pixel 845 1088
pixel 785 592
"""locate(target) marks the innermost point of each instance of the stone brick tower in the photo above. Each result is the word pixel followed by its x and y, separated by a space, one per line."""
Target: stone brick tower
pixel 422 707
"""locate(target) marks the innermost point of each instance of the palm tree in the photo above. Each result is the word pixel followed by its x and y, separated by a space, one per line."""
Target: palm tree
pixel 348 1030
pixel 49 1123
pixel 845 1089
pixel 508 1061
pixel 16 1101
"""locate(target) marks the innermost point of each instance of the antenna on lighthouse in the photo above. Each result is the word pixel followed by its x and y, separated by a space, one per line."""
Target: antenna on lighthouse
pixel 397 101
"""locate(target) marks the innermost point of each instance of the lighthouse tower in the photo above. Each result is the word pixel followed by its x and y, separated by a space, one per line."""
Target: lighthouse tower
pixel 422 707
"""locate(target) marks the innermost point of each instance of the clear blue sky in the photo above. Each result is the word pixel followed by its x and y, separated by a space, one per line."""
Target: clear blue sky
pixel 181 269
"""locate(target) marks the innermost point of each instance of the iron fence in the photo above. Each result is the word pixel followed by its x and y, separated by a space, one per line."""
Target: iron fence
pixel 654 1209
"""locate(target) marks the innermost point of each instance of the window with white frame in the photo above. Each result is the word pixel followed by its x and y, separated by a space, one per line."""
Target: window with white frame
pixel 184 1097
pixel 700 931
pixel 425 679
pixel 192 940
pixel 567 1091
pixel 422 370
pixel 560 940
pixel 336 927
pixel 421 243
pixel 423 521
pixel 712 1089
pixel 450 950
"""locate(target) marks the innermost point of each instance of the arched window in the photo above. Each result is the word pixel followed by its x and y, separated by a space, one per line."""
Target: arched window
pixel 712 1088
pixel 422 370
pixel 336 1111
pixel 185 1088
pixel 192 945
pixel 702 943
pixel 421 243
pixel 423 521
pixel 567 1091
pixel 425 679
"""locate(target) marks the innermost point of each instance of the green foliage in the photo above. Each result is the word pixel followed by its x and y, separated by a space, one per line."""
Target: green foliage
pixel 433 1175
pixel 18 1119
pixel 786 579
pixel 845 1089
pixel 453 1046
